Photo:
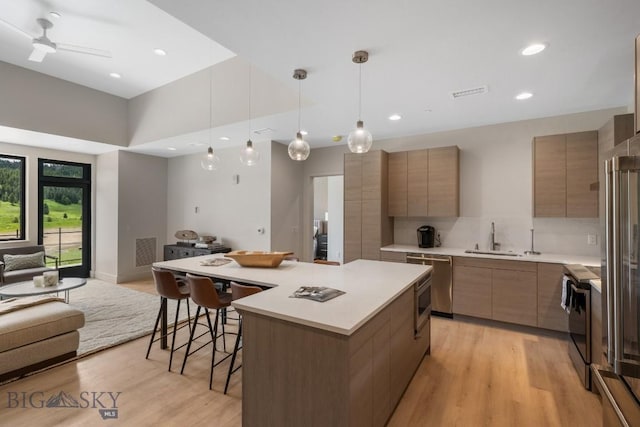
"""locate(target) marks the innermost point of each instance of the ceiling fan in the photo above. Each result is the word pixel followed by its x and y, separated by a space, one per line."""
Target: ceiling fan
pixel 43 45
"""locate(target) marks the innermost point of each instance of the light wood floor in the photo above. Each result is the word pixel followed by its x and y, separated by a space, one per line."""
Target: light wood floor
pixel 478 374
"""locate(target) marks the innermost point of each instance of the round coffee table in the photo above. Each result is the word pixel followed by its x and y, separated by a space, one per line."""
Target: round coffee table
pixel 27 288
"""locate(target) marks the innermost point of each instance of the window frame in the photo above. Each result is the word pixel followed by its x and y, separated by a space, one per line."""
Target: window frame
pixel 23 198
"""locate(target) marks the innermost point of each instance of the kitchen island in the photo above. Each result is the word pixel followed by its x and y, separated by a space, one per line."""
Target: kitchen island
pixel 342 362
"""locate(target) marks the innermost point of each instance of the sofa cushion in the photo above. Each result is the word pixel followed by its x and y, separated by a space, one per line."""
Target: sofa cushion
pixel 22 261
pixel 37 323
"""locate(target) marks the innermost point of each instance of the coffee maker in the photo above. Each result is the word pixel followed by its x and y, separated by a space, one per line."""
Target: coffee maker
pixel 426 236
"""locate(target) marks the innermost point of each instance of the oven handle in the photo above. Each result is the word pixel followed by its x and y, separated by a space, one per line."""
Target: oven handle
pixel 578 290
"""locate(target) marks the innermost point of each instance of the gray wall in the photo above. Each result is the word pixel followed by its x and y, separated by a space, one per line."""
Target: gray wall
pixel 495 182
pixel 106 217
pixel 42 103
pixel 286 201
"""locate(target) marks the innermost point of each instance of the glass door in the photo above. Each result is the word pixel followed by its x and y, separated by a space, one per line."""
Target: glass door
pixel 65 215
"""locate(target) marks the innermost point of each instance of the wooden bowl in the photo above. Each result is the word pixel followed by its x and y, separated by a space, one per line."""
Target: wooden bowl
pixel 257 258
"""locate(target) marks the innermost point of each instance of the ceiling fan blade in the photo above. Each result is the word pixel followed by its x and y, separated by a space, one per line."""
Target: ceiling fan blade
pixel 37 55
pixel 82 49
pixel 16 29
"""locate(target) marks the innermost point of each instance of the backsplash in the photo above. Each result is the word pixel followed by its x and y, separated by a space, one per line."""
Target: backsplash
pixel 552 235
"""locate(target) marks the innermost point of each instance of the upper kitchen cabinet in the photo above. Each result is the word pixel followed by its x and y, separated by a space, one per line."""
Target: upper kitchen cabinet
pixel 367 226
pixel 565 167
pixel 444 181
pixel 398 184
pixel 424 182
pixel 618 129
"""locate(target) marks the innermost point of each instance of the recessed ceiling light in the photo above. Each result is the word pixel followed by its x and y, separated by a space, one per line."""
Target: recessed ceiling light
pixel 115 75
pixel 54 14
pixel 523 95
pixel 533 49
pixel 224 138
pixel 160 52
pixel 395 117
pixel 171 148
pixel 304 132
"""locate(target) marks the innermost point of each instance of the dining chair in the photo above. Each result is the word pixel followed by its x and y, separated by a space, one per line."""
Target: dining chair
pixel 169 288
pixel 238 291
pixel 204 294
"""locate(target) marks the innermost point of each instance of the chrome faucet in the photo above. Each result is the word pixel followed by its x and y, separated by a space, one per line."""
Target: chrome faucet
pixel 495 246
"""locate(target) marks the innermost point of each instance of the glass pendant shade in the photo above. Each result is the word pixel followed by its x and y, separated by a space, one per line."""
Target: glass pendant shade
pixel 360 139
pixel 248 155
pixel 210 161
pixel 299 148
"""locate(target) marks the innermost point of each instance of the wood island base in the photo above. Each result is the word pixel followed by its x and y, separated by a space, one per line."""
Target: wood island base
pixel 299 375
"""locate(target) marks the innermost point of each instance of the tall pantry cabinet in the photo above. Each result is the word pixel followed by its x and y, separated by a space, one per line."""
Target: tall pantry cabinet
pixel 367 226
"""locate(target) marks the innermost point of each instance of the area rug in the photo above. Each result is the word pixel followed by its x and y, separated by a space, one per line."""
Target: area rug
pixel 115 314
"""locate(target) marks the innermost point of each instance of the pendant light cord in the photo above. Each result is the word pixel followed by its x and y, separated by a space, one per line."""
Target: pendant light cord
pixel 360 91
pixel 299 102
pixel 250 78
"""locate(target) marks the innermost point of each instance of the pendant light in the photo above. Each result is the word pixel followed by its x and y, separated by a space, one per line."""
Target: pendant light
pixel 249 156
pixel 210 161
pixel 299 148
pixel 360 139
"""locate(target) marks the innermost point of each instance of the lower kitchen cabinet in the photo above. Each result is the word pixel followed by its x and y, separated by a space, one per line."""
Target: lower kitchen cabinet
pixel 496 289
pixel 472 291
pixel 550 314
pixel 393 256
pixel 514 297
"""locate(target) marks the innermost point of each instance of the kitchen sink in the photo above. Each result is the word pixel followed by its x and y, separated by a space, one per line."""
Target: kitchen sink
pixel 500 253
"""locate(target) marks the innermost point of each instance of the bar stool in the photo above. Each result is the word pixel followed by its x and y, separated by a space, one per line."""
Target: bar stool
pixel 169 288
pixel 204 294
pixel 238 291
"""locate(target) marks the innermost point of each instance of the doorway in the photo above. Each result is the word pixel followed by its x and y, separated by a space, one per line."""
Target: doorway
pixel 64 214
pixel 328 202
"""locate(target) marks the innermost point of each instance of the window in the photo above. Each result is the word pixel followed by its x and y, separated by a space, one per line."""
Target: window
pixel 12 190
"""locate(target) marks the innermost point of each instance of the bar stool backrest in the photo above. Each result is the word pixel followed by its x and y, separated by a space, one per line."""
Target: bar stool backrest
pixel 240 291
pixel 166 284
pixel 203 292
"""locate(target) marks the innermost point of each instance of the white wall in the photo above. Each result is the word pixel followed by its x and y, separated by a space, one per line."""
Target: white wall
pixel 320 197
pixel 106 217
pixel 286 201
pixel 142 209
pixel 335 206
pixel 42 103
pixel 232 212
pixel 495 185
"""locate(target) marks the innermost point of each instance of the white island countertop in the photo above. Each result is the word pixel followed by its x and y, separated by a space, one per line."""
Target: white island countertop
pixel 369 286
pixel 589 261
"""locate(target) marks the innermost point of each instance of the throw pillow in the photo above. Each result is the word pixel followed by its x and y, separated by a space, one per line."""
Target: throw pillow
pixel 20 262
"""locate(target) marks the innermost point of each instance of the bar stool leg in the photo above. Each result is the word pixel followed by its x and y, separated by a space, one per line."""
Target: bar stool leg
pixel 155 327
pixel 173 338
pixel 233 357
pixel 193 330
pixel 214 333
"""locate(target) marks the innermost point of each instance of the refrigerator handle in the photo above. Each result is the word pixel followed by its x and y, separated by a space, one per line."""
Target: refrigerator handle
pixel 610 268
pixel 616 296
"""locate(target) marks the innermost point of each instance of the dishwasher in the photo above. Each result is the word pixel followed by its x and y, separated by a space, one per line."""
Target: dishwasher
pixel 440 281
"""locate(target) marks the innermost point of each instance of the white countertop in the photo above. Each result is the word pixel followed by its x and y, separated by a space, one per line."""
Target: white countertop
pixel 596 284
pixel 545 257
pixel 369 285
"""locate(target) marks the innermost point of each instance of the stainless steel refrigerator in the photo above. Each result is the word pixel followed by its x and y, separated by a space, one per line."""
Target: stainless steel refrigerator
pixel 619 379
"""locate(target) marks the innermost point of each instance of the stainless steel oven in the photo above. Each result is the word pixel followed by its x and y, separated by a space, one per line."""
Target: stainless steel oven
pixel 578 301
pixel 422 303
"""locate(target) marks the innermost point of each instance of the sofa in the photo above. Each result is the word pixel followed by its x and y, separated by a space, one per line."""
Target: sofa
pixel 36 332
pixel 25 266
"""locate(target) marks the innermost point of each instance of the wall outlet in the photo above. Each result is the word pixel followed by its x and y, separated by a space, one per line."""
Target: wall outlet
pixel 592 239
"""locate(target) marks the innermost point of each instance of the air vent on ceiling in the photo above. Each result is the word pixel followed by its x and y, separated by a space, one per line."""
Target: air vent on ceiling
pixel 468 92
pixel 263 130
